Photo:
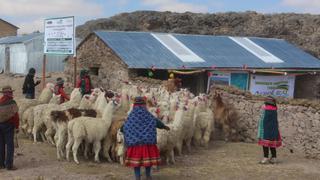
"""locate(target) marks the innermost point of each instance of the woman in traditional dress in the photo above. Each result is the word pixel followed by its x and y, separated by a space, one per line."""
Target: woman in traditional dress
pixel 140 137
pixel 268 131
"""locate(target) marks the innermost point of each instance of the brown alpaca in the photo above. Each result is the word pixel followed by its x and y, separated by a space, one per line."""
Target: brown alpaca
pixel 224 116
pixel 115 126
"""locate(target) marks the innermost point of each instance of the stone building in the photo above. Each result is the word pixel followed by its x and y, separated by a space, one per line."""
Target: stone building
pixel 260 65
pixel 7 29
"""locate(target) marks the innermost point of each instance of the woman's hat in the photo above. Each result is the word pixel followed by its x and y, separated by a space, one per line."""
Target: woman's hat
pixel 60 81
pixel 84 72
pixel 139 100
pixel 270 100
pixel 6 89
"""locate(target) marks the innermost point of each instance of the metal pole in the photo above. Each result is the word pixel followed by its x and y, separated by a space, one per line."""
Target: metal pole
pixel 44 71
pixel 74 71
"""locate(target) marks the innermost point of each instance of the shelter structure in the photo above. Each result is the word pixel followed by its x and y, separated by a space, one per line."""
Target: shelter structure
pixel 263 66
pixel 19 53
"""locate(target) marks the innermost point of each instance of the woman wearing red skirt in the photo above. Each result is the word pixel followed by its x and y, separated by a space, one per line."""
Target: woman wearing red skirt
pixel 268 131
pixel 140 137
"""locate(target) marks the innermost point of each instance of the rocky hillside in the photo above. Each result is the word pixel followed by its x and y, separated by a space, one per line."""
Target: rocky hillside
pixel 302 30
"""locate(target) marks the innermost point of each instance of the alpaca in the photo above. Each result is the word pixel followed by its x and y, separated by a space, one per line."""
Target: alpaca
pixel 113 135
pixel 120 148
pixel 224 116
pixel 83 128
pixel 168 140
pixel 61 119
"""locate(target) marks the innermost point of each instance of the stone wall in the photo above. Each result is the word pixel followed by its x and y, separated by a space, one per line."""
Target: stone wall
pixel 299 125
pixel 7 30
pixel 94 53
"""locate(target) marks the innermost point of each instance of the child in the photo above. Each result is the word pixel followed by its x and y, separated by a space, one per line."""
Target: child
pixel 59 90
pixel 140 136
pixel 268 131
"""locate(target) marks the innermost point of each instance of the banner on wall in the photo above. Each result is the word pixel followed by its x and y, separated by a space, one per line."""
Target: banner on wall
pixel 272 85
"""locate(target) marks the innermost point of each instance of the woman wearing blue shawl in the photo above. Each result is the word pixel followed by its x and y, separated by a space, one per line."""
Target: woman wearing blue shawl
pixel 268 130
pixel 140 135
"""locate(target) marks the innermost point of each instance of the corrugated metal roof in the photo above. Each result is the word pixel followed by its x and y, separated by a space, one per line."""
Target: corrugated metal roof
pixel 19 39
pixel 142 50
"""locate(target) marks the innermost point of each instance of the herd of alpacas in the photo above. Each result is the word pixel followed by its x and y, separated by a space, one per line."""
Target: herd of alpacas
pixel 91 124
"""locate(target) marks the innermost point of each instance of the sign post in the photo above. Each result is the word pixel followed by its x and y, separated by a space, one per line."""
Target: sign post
pixel 44 62
pixel 74 71
pixel 59 38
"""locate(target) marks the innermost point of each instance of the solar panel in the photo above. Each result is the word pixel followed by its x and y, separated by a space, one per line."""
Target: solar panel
pixel 177 48
pixel 256 50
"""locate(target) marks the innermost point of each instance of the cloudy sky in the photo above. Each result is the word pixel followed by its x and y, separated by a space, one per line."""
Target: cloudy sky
pixel 29 14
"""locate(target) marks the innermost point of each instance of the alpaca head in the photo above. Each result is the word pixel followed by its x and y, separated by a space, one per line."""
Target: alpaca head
pixel 50 86
pixel 75 95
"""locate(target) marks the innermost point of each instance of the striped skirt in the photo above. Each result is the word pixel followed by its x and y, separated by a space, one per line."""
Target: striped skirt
pixel 143 156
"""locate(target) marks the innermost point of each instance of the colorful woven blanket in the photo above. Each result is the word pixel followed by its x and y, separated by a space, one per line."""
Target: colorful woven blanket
pixel 140 128
pixel 7 110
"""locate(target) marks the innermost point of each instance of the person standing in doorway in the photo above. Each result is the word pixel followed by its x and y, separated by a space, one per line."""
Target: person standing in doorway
pixel 9 124
pixel 84 82
pixel 29 85
pixel 268 131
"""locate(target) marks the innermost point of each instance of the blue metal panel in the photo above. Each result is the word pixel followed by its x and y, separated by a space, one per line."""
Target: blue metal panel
pixel 293 56
pixel 142 50
pixel 219 51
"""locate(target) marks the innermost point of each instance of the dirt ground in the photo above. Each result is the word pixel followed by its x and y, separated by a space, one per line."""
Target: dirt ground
pixel 220 161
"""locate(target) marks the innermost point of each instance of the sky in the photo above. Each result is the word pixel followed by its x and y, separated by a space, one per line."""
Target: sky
pixel 29 15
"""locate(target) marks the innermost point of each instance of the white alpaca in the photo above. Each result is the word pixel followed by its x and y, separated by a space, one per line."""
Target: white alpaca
pixel 42 115
pixel 203 128
pixel 100 103
pixel 75 99
pixel 168 140
pixel 61 119
pixel 188 126
pixel 91 130
pixel 46 94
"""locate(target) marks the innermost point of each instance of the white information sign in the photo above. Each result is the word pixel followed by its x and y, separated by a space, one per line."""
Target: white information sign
pixel 272 85
pixel 59 35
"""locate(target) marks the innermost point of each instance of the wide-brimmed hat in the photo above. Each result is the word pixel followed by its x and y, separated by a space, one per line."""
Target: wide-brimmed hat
pixel 139 100
pixel 6 89
pixel 60 81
